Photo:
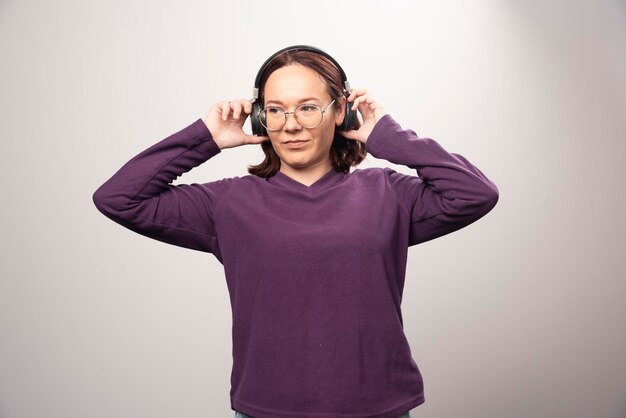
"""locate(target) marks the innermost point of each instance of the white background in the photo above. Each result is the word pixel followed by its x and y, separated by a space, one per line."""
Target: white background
pixel 520 314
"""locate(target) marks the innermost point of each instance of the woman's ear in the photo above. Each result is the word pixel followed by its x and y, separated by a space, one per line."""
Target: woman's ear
pixel 340 113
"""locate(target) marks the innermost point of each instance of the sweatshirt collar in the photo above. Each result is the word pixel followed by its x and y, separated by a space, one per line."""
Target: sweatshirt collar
pixel 327 180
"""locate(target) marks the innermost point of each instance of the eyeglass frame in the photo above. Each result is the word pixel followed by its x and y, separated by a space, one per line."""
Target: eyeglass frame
pixel 294 115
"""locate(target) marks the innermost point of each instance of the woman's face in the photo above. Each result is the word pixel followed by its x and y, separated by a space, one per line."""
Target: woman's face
pixel 287 87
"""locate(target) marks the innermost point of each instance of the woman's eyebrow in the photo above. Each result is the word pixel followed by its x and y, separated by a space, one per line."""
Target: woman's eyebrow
pixel 306 99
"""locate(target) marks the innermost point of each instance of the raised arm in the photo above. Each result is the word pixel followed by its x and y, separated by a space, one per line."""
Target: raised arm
pixel 140 196
pixel 448 192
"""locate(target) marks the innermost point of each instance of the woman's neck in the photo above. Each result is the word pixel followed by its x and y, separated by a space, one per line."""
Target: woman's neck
pixel 306 176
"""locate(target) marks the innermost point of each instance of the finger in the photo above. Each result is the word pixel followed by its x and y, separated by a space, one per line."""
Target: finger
pixel 236 106
pixel 367 100
pixel 354 93
pixel 352 134
pixel 243 104
pixel 254 139
pixel 225 110
pixel 247 105
pixel 358 101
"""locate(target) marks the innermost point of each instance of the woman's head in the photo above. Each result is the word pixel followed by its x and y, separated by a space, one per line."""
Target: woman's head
pixel 300 77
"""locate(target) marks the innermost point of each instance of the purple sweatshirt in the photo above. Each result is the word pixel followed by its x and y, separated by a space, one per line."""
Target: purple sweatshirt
pixel 315 274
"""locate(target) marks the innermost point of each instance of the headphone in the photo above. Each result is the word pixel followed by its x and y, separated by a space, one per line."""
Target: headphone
pixel 350 119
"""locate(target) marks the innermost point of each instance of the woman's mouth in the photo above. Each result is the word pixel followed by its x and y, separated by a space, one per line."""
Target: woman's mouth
pixel 296 144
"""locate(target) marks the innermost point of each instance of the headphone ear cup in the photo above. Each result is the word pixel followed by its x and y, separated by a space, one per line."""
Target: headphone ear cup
pixel 350 118
pixel 257 127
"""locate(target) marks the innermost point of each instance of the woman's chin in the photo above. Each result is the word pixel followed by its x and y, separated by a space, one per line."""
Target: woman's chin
pixel 294 161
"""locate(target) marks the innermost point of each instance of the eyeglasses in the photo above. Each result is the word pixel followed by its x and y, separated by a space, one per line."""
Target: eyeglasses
pixel 308 115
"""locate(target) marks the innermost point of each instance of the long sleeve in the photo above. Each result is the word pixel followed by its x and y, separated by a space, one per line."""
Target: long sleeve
pixel 450 192
pixel 140 196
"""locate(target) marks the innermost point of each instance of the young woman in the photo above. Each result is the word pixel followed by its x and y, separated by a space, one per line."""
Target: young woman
pixel 314 255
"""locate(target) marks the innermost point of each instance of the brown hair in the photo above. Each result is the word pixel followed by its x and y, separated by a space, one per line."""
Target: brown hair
pixel 344 153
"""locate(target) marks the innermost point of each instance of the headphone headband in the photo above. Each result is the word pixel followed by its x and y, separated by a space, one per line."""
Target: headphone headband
pixel 257 80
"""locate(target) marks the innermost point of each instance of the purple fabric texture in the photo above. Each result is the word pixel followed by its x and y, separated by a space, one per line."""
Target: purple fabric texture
pixel 315 274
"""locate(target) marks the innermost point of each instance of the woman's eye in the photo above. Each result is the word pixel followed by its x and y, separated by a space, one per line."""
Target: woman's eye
pixel 308 108
pixel 274 110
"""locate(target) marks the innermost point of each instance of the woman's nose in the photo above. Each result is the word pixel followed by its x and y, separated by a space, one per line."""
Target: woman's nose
pixel 291 123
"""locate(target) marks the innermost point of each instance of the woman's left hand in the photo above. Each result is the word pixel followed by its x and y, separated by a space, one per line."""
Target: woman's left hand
pixel 370 110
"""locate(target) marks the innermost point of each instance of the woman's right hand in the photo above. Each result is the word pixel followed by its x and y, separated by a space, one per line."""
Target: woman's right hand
pixel 225 121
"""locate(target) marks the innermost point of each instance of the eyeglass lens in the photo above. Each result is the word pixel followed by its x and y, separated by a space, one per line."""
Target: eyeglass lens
pixel 308 116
